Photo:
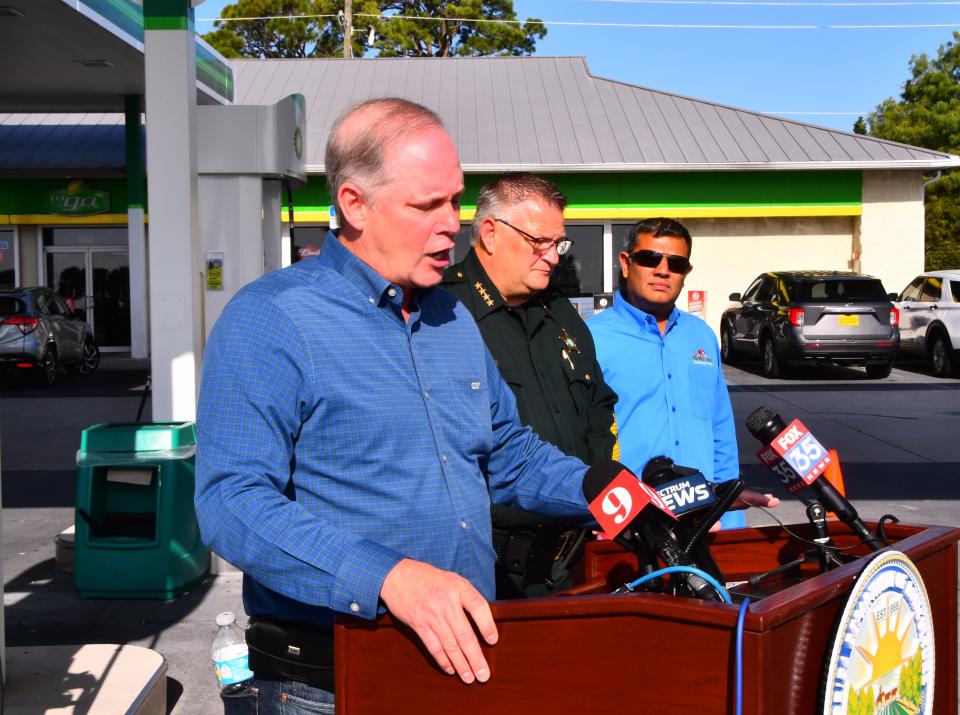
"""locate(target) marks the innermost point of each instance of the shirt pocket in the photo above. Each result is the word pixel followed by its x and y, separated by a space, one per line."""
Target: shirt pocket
pixel 703 383
pixel 471 403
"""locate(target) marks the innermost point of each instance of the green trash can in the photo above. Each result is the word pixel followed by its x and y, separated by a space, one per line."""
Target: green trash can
pixel 136 528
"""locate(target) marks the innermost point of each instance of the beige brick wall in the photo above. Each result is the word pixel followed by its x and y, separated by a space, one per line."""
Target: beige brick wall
pixel 891 232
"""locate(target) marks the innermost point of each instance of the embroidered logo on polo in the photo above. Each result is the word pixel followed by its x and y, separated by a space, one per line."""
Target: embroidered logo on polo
pixel 702 357
pixel 882 656
pixel 482 290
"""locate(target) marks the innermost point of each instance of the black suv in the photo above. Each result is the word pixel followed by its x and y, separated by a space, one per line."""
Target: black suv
pixel 791 317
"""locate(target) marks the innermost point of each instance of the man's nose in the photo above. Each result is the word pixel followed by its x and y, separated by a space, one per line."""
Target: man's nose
pixel 662 268
pixel 552 256
pixel 451 220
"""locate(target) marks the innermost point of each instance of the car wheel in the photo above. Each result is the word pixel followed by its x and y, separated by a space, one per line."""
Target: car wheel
pixel 727 355
pixel 769 362
pixel 46 374
pixel 878 371
pixel 89 360
pixel 941 361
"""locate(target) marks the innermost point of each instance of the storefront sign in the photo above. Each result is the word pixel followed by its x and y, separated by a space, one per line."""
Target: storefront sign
pixel 697 302
pixel 77 200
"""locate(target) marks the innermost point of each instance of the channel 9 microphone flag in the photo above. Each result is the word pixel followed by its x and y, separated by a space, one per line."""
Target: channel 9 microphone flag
pixel 616 497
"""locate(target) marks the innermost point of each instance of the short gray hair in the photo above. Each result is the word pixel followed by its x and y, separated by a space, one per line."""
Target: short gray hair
pixel 511 189
pixel 358 144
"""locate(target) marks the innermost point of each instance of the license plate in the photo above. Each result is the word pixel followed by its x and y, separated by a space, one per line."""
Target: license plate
pixel 849 320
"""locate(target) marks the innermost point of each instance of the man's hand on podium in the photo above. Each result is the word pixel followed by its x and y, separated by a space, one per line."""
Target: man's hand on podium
pixel 433 603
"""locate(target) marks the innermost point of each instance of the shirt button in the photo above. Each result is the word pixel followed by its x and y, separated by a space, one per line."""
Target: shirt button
pixel 674 408
pixel 426 394
pixel 443 458
pixel 669 376
pixel 587 377
pixel 392 292
pixel 676 442
pixel 355 607
pixel 372 301
pixel 463 525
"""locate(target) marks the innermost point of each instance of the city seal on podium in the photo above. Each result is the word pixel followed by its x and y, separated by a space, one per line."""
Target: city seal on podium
pixel 882 657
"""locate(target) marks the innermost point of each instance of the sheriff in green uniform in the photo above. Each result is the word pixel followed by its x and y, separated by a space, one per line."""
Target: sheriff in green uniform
pixel 545 354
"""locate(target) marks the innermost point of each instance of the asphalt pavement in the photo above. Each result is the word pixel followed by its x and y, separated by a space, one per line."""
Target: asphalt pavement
pixel 898 441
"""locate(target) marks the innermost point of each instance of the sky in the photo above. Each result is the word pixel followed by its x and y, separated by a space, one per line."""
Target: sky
pixel 825 75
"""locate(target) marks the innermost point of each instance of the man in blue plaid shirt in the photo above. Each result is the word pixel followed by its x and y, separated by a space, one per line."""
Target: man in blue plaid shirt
pixel 353 428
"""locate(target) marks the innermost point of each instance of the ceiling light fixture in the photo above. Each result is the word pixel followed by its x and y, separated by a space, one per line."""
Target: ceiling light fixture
pixel 94 63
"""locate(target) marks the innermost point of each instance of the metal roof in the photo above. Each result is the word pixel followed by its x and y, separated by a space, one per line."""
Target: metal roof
pixel 551 114
pixel 504 113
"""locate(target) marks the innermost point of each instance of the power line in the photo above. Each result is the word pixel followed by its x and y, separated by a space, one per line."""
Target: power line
pixel 579 23
pixel 762 3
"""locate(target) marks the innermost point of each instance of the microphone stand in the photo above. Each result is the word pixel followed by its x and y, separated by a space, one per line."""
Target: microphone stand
pixel 823 555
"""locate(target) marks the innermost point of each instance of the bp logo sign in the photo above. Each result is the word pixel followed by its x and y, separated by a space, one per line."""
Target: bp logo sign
pixel 77 200
pixel 882 660
pixel 298 143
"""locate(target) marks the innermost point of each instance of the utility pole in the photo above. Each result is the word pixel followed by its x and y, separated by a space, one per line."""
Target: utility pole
pixel 348 29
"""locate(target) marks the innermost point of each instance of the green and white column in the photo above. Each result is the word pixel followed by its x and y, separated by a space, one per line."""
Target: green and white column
pixel 136 229
pixel 172 189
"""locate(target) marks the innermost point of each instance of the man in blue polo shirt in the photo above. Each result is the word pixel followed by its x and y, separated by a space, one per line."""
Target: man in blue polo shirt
pixel 665 365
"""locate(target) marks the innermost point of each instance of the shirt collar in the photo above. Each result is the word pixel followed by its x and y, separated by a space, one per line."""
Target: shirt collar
pixel 646 321
pixel 374 287
pixel 486 297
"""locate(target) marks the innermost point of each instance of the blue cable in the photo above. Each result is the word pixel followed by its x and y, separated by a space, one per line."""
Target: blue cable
pixel 684 569
pixel 739 655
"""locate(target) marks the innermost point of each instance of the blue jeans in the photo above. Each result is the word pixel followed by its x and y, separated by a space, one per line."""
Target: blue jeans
pixel 273 697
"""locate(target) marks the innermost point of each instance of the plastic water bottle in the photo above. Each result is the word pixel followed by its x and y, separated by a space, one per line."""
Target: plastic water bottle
pixel 229 654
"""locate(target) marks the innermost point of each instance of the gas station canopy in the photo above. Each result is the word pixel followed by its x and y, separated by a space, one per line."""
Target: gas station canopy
pixel 84 56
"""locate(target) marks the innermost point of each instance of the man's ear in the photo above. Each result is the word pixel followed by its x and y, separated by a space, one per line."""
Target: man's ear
pixel 353 205
pixel 487 239
pixel 624 263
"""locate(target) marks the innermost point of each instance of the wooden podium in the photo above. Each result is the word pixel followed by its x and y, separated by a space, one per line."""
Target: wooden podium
pixel 584 651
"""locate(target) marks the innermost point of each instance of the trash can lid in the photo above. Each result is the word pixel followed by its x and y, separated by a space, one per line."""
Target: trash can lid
pixel 137 436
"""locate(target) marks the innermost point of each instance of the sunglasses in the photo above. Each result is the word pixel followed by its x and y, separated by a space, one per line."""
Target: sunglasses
pixel 651 259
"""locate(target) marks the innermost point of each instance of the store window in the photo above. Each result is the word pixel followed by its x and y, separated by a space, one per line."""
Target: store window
pixel 8 267
pixel 580 272
pixel 307 241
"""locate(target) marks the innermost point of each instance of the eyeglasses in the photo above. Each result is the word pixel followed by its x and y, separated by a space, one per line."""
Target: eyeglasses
pixel 542 245
pixel 651 259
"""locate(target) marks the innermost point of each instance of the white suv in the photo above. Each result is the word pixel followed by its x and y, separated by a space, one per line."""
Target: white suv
pixel 930 320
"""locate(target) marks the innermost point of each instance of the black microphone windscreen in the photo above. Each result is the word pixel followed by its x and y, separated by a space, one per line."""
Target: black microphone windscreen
pixel 765 424
pixel 598 477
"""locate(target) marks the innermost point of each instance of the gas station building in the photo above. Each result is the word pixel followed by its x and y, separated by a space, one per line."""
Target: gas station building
pixel 154 225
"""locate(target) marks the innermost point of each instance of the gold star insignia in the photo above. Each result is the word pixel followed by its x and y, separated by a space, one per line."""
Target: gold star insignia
pixel 483 293
pixel 569 342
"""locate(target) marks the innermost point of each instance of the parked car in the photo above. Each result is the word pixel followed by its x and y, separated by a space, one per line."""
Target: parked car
pixel 930 320
pixel 787 318
pixel 39 333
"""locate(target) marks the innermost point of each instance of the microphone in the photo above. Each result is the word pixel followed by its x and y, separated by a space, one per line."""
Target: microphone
pixel 798 459
pixel 635 516
pixel 695 502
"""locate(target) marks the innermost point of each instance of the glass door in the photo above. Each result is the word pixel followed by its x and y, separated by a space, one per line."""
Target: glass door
pixel 110 288
pixel 97 281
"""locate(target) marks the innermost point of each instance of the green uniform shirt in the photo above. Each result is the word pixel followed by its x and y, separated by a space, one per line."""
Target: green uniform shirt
pixel 546 355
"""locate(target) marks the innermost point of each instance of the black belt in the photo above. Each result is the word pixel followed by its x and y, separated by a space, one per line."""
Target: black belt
pixel 531 553
pixel 280 650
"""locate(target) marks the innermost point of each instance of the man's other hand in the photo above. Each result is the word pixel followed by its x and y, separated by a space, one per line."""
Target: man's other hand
pixel 433 603
pixel 749 498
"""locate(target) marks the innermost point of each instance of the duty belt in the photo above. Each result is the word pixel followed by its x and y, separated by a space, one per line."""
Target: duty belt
pixel 531 553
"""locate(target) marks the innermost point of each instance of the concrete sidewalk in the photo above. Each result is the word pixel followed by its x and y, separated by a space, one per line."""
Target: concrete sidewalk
pixel 39 436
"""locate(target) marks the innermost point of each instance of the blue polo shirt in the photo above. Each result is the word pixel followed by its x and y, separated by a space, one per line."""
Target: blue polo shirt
pixel 673 400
